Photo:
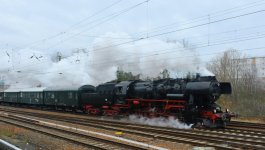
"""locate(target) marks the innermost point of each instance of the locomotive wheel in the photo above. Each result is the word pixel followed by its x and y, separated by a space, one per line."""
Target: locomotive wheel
pixel 198 125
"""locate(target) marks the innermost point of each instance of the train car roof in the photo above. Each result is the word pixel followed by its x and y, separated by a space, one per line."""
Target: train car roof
pixel 70 88
pixel 40 89
pixel 37 89
pixel 12 90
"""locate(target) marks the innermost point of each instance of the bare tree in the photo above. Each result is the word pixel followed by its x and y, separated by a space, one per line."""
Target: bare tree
pixel 247 95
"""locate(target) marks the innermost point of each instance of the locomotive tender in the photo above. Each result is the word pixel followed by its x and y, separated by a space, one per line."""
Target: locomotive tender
pixel 190 100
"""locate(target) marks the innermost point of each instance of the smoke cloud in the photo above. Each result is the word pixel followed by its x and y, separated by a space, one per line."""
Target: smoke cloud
pixel 160 121
pixel 98 64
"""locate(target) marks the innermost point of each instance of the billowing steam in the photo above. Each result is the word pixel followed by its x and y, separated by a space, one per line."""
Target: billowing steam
pixel 98 64
pixel 159 121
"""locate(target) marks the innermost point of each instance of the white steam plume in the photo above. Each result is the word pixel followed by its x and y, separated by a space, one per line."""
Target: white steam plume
pixel 159 121
pixel 148 57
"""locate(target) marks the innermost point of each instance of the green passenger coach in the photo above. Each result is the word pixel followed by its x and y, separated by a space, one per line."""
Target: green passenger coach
pixel 52 97
pixel 31 96
pixel 11 95
pixel 61 97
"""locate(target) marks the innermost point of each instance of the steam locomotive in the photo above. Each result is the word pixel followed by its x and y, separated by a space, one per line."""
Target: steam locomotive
pixel 190 100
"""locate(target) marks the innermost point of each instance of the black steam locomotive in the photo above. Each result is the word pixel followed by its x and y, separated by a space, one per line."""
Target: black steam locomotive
pixel 190 100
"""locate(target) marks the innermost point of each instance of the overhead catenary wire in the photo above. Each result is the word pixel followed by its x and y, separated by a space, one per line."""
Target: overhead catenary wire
pixel 252 4
pixel 96 23
pixel 213 34
pixel 101 22
pixel 211 22
pixel 213 15
pixel 203 45
pixel 207 15
pixel 74 25
pixel 177 30
pixel 225 41
pixel 181 29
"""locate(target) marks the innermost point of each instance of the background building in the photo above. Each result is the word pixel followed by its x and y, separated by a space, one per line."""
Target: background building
pixel 259 63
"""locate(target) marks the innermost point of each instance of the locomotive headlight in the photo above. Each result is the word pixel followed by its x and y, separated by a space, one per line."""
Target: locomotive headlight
pixel 214 111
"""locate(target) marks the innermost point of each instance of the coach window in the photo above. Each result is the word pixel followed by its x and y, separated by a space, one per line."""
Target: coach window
pixel 52 95
pixel 27 95
pixel 32 95
pixel 21 94
pixel 70 95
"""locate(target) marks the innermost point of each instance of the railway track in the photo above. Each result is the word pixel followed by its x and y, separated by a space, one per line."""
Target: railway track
pixel 248 125
pixel 220 139
pixel 86 140
pixel 246 128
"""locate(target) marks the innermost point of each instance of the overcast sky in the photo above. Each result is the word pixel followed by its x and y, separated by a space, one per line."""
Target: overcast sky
pixel 56 25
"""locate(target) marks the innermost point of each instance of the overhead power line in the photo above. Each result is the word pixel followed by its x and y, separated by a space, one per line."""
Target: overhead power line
pixel 206 17
pixel 181 29
pixel 211 22
pixel 244 6
pixel 75 24
pixel 96 25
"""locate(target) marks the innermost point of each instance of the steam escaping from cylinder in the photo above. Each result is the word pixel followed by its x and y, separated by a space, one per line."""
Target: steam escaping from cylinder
pixel 159 121
pixel 98 63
